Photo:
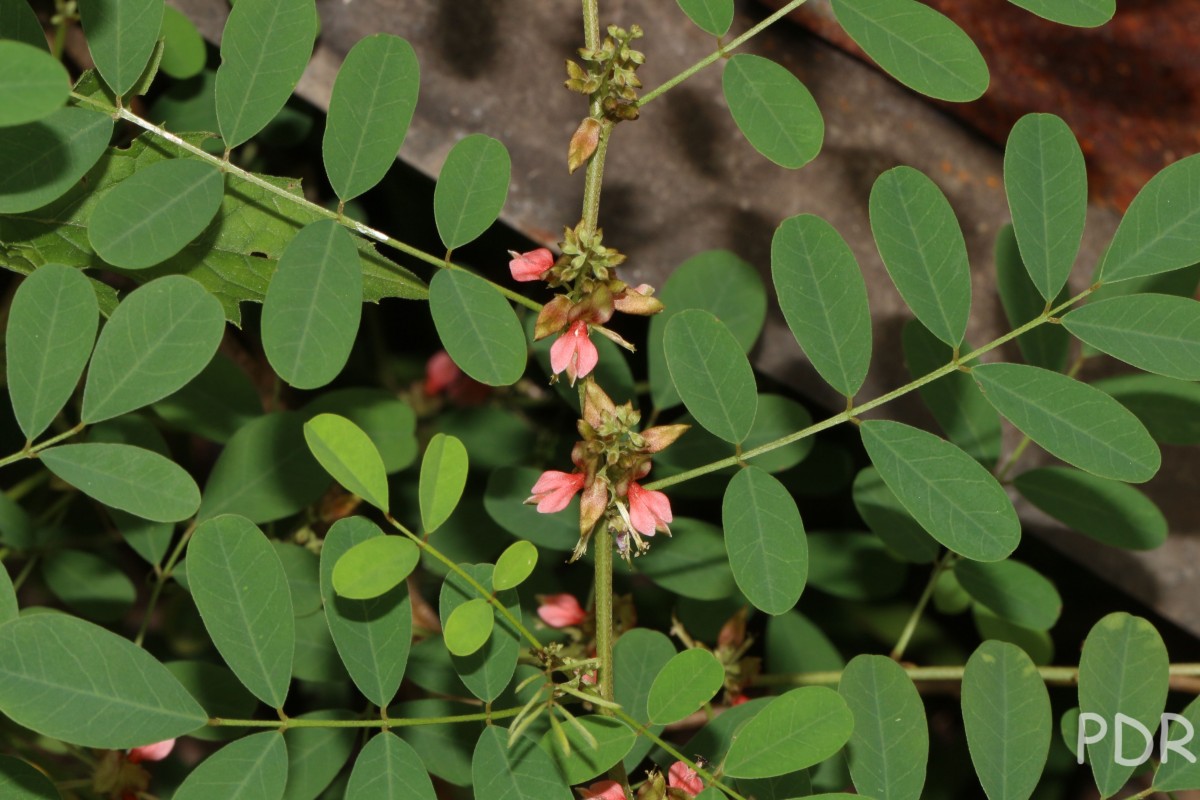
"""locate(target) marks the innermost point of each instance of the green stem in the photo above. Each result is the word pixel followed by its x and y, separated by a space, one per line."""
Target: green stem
pixel 602 547
pixel 474 584
pixel 845 416
pixel 704 774
pixel 31 450
pixel 593 179
pixel 709 59
pixel 160 581
pixel 1054 676
pixel 910 627
pixel 392 722
pixel 250 177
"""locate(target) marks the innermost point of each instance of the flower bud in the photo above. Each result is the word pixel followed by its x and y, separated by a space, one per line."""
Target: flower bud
pixel 638 301
pixel 583 143
pixel 597 405
pixel 592 505
pixel 663 436
pixel 553 318
pixel 655 787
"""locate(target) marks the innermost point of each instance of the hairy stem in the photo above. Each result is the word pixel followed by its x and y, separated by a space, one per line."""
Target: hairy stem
pixel 846 416
pixel 910 627
pixel 709 59
pixel 32 450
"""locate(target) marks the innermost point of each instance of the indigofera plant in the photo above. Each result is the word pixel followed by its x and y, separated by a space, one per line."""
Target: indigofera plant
pixel 211 507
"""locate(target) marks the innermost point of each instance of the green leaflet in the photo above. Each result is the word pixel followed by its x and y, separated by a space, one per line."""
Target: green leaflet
pixel 121 35
pixel 8 599
pixel 471 189
pixel 684 684
pixel 1123 669
pixel 279 33
pixel 699 571
pixel 313 305
pixel 374 566
pixel 251 768
pixel 1006 713
pixel 51 329
pixel 1159 333
pixel 477 327
pixel 443 478
pixel 1038 644
pixel 389 769
pixel 42 160
pixel 765 539
pixel 241 591
pixel 716 281
pixel 853 566
pixel 638 656
pixel 515 564
pixel 316 755
pixel 521 772
pixel 890 521
pixel 389 422
pixel 214 404
pixel 20 780
pixel 20 23
pixel 1046 346
pixel 34 84
pixel 712 374
pixel 613 739
pixel 1071 420
pixel 889 748
pixel 487 671
pixel 88 585
pixel 824 299
pixel 1079 13
pixel 159 338
pixel 153 214
pixel 1012 591
pixel 954 498
pixel 923 249
pixel 711 16
pixel 1176 772
pixel 49 683
pixel 1161 230
pixel 220 693
pixel 1046 182
pixel 1109 511
pixel 131 479
pixel 233 260
pixel 468 627
pixel 917 46
pixel 796 730
pixel 349 456
pixel 795 644
pixel 373 636
pixel 1170 409
pixel 265 472
pixel 184 49
pixel 773 109
pixel 370 109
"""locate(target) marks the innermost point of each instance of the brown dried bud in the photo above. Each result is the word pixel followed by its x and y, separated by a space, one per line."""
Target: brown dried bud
pixel 592 505
pixel 554 317
pixel 638 301
pixel 597 406
pixel 663 436
pixel 583 143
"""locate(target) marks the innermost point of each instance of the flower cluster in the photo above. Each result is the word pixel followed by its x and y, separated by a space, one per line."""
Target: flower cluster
pixel 611 73
pixel 610 460
pixel 681 783
pixel 590 294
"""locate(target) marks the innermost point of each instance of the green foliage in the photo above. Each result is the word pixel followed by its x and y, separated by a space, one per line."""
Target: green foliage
pixel 389 769
pixel 487 670
pixel 764 536
pixel 796 730
pixel 131 479
pixel 477 327
pixel 1046 346
pixel 20 24
pixel 471 189
pixel 711 16
pixel 121 35
pixel 184 51
pixel 923 249
pixel 1006 713
pixel 313 305
pixel 711 374
pixel 824 299
pixel 700 571
pixel 443 477
pixel 610 740
pixel 1170 409
pixel 1106 510
pixel 684 684
pixel 468 627
pixel 349 456
pixel 253 768
pixel 890 521
pixel 34 84
pixel 955 500
pixel 1080 13
pixel 89 585
pixel 1011 590
pixel 51 329
pixel 241 591
pixel 20 780
pixel 917 46
pixel 774 110
pixel 523 772
pixel 889 748
pixel 1159 333
pixel 280 33
pixel 1161 230
pixel 370 109
pixel 374 567
pixel 40 161
pixel 515 564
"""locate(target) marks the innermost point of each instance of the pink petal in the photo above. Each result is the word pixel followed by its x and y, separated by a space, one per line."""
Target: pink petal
pixel 440 372
pixel 556 501
pixel 659 505
pixel 561 352
pixel 530 266
pixel 554 490
pixel 681 776
pixel 604 790
pixel 152 752
pixel 561 611
pixel 639 512
pixel 589 356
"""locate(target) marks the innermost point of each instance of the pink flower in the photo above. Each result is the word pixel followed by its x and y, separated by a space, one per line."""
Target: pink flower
pixel 649 511
pixel 440 373
pixel 530 266
pixel 683 777
pixel 554 490
pixel 151 752
pixel 561 610
pixel 574 352
pixel 604 790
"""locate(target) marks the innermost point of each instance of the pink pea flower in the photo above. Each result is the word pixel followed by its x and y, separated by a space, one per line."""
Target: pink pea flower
pixel 151 752
pixel 684 778
pixel 440 373
pixel 530 266
pixel 554 490
pixel 561 610
pixel 649 511
pixel 604 790
pixel 574 352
